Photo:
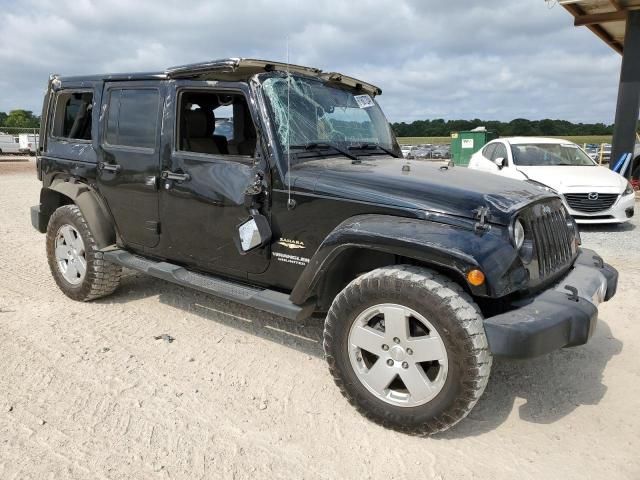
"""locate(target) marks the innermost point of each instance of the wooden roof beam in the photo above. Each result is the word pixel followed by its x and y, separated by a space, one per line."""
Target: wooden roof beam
pixel 598 18
pixel 576 11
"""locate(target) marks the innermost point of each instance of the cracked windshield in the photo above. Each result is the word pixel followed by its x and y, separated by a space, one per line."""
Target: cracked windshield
pixel 326 120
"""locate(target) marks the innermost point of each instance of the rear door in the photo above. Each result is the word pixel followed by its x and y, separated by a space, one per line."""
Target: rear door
pixel 129 166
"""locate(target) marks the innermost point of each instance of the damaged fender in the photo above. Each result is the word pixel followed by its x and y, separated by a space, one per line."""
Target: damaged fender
pixel 448 248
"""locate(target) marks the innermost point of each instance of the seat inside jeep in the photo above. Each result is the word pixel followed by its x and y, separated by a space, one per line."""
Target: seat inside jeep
pixel 216 123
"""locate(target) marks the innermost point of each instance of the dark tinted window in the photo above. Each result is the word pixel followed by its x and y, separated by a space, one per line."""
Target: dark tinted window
pixel 133 118
pixel 72 117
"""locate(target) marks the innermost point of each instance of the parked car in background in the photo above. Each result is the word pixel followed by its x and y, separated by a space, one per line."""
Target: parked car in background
pixel 421 152
pixel 408 151
pixel 591 149
pixel 591 193
pixel 9 143
pixel 441 152
pixel 28 143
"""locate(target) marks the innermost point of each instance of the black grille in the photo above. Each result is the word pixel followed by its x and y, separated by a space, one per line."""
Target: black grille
pixel 553 238
pixel 591 202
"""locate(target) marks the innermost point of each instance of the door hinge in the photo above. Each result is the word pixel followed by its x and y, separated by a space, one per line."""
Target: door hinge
pixel 152 226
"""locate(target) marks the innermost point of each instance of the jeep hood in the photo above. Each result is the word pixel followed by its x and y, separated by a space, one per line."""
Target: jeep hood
pixel 381 180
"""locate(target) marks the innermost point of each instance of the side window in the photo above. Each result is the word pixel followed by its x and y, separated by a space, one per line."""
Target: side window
pixel 132 118
pixel 488 150
pixel 215 123
pixel 500 152
pixel 72 115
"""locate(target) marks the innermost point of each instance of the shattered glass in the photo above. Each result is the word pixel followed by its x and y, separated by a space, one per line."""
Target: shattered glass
pixel 322 113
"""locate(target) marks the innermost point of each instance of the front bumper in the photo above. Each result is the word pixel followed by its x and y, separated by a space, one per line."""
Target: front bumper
pixel 562 316
pixel 620 212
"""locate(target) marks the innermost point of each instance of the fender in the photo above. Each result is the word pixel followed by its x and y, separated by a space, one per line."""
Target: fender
pixel 88 201
pixel 449 248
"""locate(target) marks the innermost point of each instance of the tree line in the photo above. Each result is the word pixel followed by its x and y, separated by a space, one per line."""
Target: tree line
pixel 420 128
pixel 19 119
pixel 520 126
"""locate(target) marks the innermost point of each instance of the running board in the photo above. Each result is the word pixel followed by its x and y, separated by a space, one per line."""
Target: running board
pixel 262 299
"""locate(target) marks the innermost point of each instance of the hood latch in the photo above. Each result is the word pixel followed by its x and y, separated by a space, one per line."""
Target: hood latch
pixel 481 226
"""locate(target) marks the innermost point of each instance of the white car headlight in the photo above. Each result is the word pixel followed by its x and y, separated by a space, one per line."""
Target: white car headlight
pixel 518 234
pixel 629 190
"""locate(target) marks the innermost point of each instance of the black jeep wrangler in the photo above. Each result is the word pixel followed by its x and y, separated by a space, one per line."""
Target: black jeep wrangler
pixel 282 187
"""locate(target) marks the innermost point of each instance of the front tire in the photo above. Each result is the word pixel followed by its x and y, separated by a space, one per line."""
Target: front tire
pixel 75 261
pixel 406 346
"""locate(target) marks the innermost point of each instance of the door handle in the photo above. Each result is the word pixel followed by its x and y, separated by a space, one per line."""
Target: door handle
pixel 178 177
pixel 109 167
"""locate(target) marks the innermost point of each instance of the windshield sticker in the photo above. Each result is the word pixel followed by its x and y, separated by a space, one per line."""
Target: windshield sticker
pixel 364 101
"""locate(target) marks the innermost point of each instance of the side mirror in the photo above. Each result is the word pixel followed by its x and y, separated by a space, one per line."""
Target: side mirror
pixel 253 233
pixel 501 162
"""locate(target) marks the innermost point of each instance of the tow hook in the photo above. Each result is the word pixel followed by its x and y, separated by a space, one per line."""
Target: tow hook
pixel 573 296
pixel 598 262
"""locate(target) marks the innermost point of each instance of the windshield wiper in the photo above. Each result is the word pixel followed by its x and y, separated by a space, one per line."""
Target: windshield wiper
pixel 373 146
pixel 323 146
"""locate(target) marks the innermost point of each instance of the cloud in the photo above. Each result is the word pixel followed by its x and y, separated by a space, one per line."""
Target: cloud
pixel 495 59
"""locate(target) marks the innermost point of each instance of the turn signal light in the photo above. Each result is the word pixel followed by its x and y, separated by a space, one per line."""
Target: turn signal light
pixel 475 277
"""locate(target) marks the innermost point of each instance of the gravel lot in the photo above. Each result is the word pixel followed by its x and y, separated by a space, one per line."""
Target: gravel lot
pixel 88 392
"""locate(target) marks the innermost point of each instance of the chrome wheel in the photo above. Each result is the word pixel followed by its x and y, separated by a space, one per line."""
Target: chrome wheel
pixel 70 254
pixel 398 355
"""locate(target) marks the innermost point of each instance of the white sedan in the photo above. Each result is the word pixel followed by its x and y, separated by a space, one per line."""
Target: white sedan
pixel 591 193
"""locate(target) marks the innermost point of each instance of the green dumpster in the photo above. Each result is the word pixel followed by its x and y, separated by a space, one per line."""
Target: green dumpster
pixel 465 144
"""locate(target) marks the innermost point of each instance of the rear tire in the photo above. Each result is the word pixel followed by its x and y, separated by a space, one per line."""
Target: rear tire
pixel 75 261
pixel 421 390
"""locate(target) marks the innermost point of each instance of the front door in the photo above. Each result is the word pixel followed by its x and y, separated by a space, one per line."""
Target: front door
pixel 129 165
pixel 203 198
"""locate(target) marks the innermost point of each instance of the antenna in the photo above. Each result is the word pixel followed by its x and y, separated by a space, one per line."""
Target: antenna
pixel 290 203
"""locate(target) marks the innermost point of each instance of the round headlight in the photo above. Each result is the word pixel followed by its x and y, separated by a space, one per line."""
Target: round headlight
pixel 571 223
pixel 518 234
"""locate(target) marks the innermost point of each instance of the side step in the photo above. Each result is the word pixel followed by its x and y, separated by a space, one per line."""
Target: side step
pixel 262 299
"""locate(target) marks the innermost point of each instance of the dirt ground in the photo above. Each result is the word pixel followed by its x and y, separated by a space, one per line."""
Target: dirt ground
pixel 87 391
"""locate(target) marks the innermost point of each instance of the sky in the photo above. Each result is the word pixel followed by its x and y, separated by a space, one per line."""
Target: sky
pixel 461 59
